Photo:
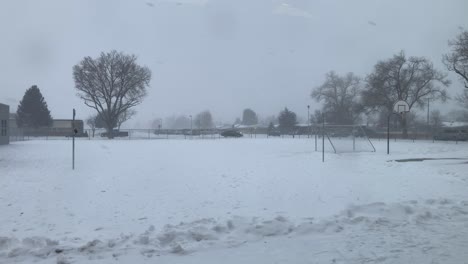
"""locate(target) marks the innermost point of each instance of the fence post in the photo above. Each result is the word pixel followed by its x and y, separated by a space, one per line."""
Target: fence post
pixel 354 142
pixel 315 133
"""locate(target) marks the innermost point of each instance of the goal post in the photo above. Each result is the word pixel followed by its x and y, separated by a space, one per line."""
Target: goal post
pixel 346 138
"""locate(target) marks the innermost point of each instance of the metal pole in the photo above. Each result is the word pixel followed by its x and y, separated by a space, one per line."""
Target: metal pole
pixel 315 137
pixel 354 139
pixel 388 134
pixel 308 120
pixel 323 137
pixel 73 144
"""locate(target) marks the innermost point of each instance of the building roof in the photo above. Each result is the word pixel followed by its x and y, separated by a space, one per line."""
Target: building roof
pixel 66 120
pixel 454 124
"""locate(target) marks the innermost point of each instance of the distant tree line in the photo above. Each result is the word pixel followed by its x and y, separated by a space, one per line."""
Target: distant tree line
pixel 113 83
pixel 347 98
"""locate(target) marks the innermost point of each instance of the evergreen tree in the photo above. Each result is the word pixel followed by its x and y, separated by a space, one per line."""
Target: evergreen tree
pixel 32 110
pixel 287 120
pixel 271 127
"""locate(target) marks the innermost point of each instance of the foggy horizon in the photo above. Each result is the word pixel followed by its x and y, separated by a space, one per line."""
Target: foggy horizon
pixel 223 56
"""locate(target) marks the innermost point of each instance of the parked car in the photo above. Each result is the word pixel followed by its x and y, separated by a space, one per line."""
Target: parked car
pixel 231 133
pixel 274 133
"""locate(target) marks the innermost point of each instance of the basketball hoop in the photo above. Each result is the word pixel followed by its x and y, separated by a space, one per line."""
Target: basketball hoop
pixel 401 107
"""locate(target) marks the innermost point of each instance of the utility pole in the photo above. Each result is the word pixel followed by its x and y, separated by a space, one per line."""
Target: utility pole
pixel 308 120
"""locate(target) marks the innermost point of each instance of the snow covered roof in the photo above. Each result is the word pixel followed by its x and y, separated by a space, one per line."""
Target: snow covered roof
pixel 302 125
pixel 454 124
pixel 249 126
pixel 223 126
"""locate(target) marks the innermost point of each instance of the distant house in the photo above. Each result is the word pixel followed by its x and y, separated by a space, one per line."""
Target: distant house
pixel 4 116
pixel 455 124
pixel 251 129
pixel 452 131
pixel 64 127
pixel 59 128
pixel 67 124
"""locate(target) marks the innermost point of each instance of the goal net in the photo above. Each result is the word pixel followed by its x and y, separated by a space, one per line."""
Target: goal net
pixel 344 139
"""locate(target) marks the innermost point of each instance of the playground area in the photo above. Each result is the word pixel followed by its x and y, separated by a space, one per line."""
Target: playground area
pixel 262 200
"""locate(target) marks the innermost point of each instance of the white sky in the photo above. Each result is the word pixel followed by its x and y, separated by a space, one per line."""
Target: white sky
pixel 219 55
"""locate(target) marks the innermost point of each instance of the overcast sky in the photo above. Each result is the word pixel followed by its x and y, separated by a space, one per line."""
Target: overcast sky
pixel 221 55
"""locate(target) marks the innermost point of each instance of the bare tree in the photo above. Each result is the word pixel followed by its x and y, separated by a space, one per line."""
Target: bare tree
pixel 111 84
pixel 204 120
pixel 181 122
pixel 156 123
pixel 436 119
pixel 249 117
pixel 410 79
pixel 316 117
pixel 125 116
pixel 340 97
pixel 457 59
pixel 269 119
pixel 91 122
pixel 463 99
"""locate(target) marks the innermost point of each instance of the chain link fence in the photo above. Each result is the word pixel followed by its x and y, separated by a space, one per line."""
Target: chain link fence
pixel 22 134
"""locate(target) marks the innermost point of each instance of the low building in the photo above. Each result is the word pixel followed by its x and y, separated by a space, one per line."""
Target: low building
pixel 64 127
pixel 4 116
pixel 59 128
pixel 456 131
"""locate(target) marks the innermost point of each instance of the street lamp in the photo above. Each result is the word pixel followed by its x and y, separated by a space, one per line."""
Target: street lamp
pixel 308 120
pixel 191 130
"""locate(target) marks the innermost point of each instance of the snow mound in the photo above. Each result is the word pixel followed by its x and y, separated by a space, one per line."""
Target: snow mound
pixel 209 233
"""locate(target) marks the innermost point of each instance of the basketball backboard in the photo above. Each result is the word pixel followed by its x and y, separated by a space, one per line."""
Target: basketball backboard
pixel 401 107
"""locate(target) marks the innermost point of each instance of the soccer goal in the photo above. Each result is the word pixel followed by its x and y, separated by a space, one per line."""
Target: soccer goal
pixel 344 139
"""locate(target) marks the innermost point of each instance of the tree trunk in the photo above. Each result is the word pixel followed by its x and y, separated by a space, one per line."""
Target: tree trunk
pixel 110 133
pixel 404 126
pixel 93 131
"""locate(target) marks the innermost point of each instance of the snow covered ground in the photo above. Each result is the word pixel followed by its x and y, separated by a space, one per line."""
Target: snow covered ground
pixel 232 201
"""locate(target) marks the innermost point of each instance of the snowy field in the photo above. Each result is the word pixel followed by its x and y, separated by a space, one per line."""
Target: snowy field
pixel 232 201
